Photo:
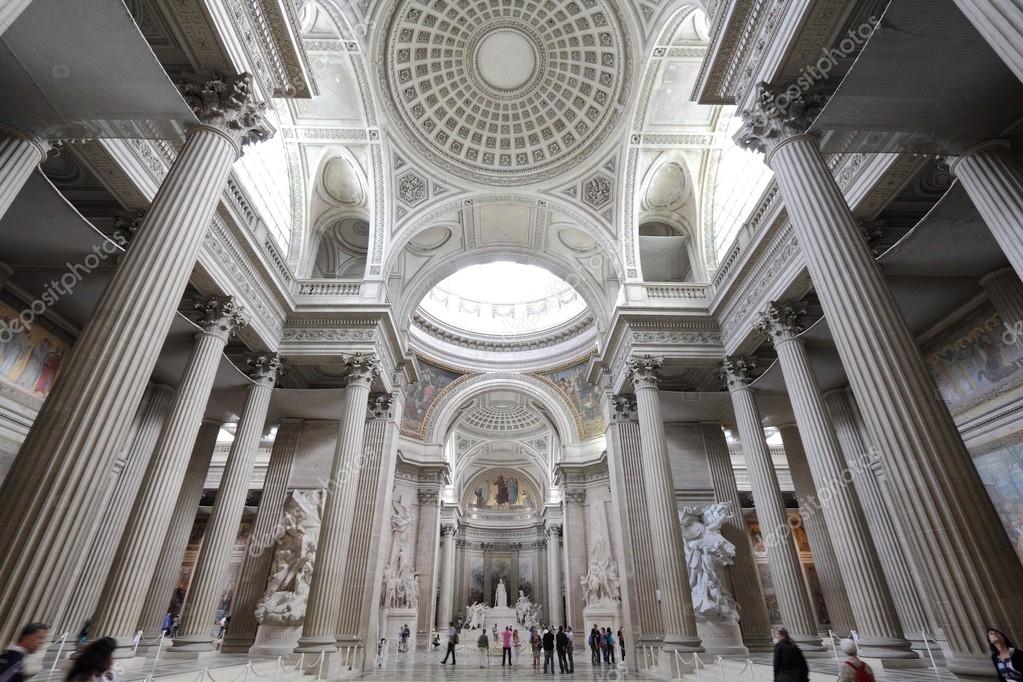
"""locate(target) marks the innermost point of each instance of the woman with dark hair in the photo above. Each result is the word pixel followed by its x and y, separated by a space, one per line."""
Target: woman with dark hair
pixel 789 662
pixel 1007 658
pixel 94 662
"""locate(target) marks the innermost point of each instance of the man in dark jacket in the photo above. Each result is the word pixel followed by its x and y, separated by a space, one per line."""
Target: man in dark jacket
pixel 548 650
pixel 12 661
pixel 789 663
pixel 562 644
pixel 593 640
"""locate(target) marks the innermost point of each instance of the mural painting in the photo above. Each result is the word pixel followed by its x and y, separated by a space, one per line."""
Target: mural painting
pixel 581 396
pixel 420 396
pixel 976 359
pixel 526 575
pixel 476 580
pixel 501 491
pixel 30 358
pixel 1001 470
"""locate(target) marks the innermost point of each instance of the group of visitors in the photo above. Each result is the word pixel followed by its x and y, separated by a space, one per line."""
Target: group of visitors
pixel 602 643
pixel 404 634
pixel 790 664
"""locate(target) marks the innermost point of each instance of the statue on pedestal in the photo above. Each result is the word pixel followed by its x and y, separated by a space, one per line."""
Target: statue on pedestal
pixel 501 595
pixel 475 615
pixel 522 605
pixel 707 554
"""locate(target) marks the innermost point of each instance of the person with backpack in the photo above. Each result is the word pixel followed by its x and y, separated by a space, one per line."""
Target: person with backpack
pixel 789 662
pixel 548 650
pixel 594 647
pixel 854 669
pixel 561 642
pixel 602 645
pixel 610 647
pixel 536 644
pixel 1008 659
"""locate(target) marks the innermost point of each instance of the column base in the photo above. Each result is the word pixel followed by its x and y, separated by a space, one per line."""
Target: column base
pixel 970 667
pixel 887 649
pixel 811 645
pixel 192 647
pixel 316 644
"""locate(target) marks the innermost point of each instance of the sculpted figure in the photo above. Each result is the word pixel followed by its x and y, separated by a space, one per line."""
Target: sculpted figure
pixel 707 554
pixel 284 600
pixel 601 582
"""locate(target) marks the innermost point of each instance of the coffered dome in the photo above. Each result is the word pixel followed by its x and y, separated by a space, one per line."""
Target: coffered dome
pixel 506 91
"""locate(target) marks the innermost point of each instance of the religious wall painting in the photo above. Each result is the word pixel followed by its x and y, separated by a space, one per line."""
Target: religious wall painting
pixel 581 396
pixel 234 568
pixel 975 360
pixel 30 358
pixel 501 491
pixel 422 396
pixel 1001 470
pixel 526 575
pixel 820 607
pixel 770 598
pixel 476 580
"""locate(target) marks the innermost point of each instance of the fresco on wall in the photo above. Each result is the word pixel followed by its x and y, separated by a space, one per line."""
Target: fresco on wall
pixel 972 361
pixel 820 607
pixel 476 580
pixel 770 598
pixel 1001 470
pixel 30 359
pixel 420 397
pixel 525 575
pixel 581 396
pixel 501 491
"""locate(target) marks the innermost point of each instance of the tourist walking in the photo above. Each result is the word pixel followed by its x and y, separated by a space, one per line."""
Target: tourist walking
pixel 12 661
pixel 789 663
pixel 1007 659
pixel 854 669
pixel 536 644
pixel 621 643
pixel 516 645
pixel 452 641
pixel 548 650
pixel 594 645
pixel 610 647
pixel 483 644
pixel 570 650
pixel 94 662
pixel 506 642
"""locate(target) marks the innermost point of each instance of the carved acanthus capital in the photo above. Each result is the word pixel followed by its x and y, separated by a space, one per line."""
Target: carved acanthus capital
pixel 645 371
pixel 777 114
pixel 220 315
pixel 575 497
pixel 429 496
pixel 553 530
pixel 380 405
pixel 737 371
pixel 126 225
pixel 362 368
pixel 448 530
pixel 782 320
pixel 226 104
pixel 623 408
pixel 266 368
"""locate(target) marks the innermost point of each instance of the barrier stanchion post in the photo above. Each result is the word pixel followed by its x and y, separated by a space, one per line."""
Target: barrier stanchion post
pixel 319 670
pixel 721 668
pixel 831 638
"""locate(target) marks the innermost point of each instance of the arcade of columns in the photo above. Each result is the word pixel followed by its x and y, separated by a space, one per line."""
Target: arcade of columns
pixel 922 512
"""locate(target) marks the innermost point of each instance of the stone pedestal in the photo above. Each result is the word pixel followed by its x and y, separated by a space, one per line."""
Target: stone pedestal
pixel 721 638
pixel 275 640
pixel 604 614
pixel 391 622
pixel 502 617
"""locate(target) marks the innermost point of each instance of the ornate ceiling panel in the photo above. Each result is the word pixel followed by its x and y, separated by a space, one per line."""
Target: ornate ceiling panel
pixel 506 91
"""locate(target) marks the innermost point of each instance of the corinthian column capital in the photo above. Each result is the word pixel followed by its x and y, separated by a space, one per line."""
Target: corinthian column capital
pixel 220 315
pixel 645 371
pixel 225 104
pixel 782 321
pixel 362 368
pixel 266 368
pixel 737 371
pixel 777 114
pixel 623 408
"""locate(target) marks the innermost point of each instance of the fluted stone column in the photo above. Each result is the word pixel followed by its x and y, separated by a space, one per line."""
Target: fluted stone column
pixel 135 565
pixel 754 622
pixel 319 631
pixel 10 10
pixel 1000 23
pixel 20 153
pixel 195 633
pixel 873 609
pixel 662 511
pixel 1005 290
pixel 145 431
pixel 575 542
pixel 625 466
pixel 447 575
pixel 61 475
pixel 556 614
pixel 898 572
pixel 993 179
pixel 970 569
pixel 168 566
pixel 828 571
pixel 358 614
pixel 266 531
pixel 789 584
pixel 427 546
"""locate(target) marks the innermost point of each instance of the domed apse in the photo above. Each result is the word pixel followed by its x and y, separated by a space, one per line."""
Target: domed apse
pixel 503 299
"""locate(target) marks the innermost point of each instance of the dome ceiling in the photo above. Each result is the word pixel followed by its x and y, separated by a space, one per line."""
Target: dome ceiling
pixel 506 91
